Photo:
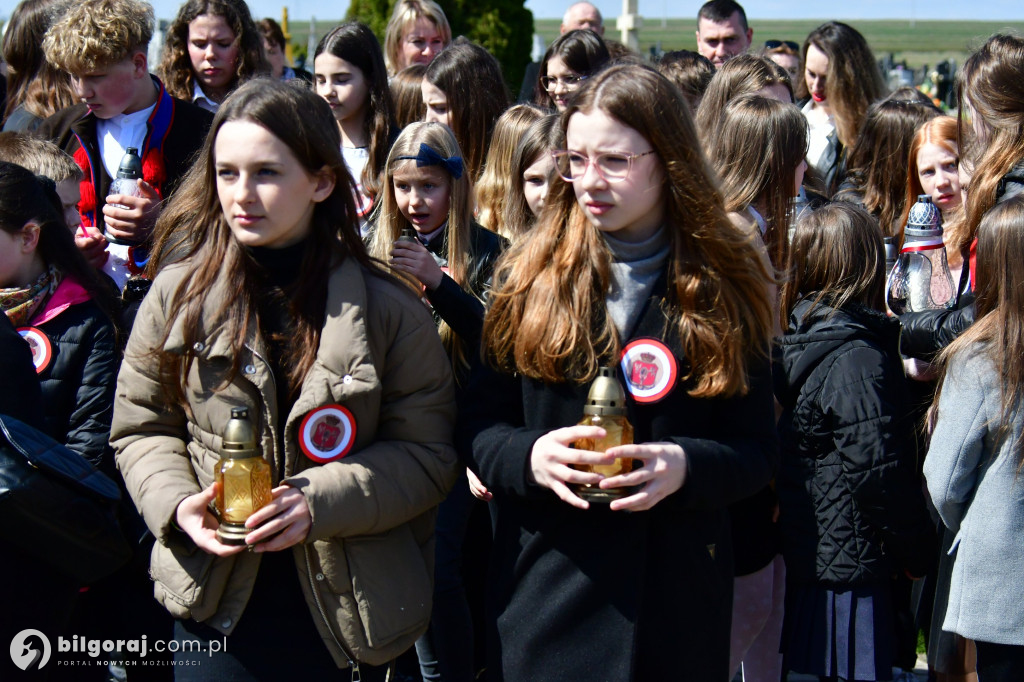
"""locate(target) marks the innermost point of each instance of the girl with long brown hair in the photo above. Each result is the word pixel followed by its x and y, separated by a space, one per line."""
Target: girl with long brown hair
pixel 493 190
pixel 272 304
pixel 633 264
pixel 976 454
pixel 840 81
pixel 745 74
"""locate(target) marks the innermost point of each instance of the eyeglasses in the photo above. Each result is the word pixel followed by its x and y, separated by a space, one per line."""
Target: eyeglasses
pixel 569 82
pixel 775 44
pixel 610 166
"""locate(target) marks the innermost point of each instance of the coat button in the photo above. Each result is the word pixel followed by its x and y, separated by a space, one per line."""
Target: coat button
pixel 319 576
pixel 249 369
pixel 347 379
pixel 198 346
pixel 226 623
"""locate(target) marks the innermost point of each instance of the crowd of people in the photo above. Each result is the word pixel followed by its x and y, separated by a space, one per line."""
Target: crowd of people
pixel 418 288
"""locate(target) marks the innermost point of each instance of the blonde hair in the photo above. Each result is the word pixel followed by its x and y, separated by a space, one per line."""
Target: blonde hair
pixel 389 221
pixel 42 157
pixel 405 14
pixel 492 190
pixel 97 33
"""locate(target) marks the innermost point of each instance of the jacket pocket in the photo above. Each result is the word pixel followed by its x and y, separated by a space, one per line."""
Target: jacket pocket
pixel 391 584
pixel 180 578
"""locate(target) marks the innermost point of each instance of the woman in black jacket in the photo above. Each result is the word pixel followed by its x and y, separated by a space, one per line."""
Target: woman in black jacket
pixel 851 509
pixel 634 265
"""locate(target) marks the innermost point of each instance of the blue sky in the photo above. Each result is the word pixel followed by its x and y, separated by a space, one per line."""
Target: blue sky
pixel 655 9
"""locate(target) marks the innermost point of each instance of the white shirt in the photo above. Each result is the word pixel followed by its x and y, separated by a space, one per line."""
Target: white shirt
pixel 120 132
pixel 200 99
pixel 821 150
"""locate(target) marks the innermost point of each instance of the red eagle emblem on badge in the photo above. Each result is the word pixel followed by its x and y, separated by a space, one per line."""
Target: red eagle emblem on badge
pixel 327 433
pixel 643 372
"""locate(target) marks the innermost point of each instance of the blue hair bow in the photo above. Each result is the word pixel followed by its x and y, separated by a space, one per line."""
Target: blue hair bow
pixel 428 157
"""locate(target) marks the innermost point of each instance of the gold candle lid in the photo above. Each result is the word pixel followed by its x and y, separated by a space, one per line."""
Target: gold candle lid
pixel 606 396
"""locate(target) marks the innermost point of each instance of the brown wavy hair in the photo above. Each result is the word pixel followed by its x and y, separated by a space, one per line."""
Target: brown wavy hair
pixel 175 68
pixel 32 82
pixel 543 137
pixel 999 299
pixel 192 230
pixel 548 320
pixel 765 179
pixel 878 162
pixel 992 82
pixel 853 81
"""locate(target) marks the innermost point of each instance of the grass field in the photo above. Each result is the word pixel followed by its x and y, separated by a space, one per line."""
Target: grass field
pixel 927 42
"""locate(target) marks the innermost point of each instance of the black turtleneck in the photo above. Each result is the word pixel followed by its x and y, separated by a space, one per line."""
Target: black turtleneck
pixel 277 271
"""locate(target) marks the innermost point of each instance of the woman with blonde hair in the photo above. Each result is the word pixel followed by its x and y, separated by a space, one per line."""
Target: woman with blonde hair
pixel 634 269
pixel 417 32
pixel 493 189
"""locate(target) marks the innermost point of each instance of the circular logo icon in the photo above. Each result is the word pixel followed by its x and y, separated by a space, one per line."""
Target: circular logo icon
pixel 42 351
pixel 327 433
pixel 30 650
pixel 650 369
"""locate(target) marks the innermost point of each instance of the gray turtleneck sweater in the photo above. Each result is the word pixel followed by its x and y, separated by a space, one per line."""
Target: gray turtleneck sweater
pixel 636 267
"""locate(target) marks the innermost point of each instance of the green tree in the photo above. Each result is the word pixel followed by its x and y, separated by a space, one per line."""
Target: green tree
pixel 503 27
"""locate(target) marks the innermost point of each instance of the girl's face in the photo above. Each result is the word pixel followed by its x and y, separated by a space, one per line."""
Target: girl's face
pixel 19 263
pixel 631 208
pixel 436 103
pixel 561 82
pixel 790 62
pixel 343 85
pixel 423 195
pixel 420 44
pixel 213 52
pixel 275 55
pixel 536 179
pixel 267 196
pixel 938 173
pixel 815 74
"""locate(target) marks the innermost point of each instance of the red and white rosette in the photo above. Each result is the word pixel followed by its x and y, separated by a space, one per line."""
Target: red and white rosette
pixel 39 342
pixel 650 369
pixel 327 433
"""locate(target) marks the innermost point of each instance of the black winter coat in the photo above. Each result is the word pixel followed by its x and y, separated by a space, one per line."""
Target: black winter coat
pixel 852 509
pixel 602 595
pixel 20 396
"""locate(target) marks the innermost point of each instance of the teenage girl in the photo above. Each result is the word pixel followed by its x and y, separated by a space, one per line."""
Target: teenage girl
pixel 349 73
pixel 274 305
pixel 407 94
pixel 570 60
pixel 840 81
pixel 453 92
pixel 55 299
pixel 451 259
pixel 974 461
pixel 633 264
pixel 212 46
pixel 740 75
pixel 533 171
pixel 496 184
pixel 851 508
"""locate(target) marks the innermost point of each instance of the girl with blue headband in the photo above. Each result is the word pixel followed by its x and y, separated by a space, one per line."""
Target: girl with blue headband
pixel 425 231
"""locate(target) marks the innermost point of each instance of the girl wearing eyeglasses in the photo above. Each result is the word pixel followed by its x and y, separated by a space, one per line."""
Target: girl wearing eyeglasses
pixel 634 266
pixel 566 64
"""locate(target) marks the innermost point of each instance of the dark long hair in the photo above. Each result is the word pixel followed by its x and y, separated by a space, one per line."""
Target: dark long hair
pixel 355 43
pixel 470 77
pixel 175 66
pixel 28 198
pixel 582 50
pixel 193 229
